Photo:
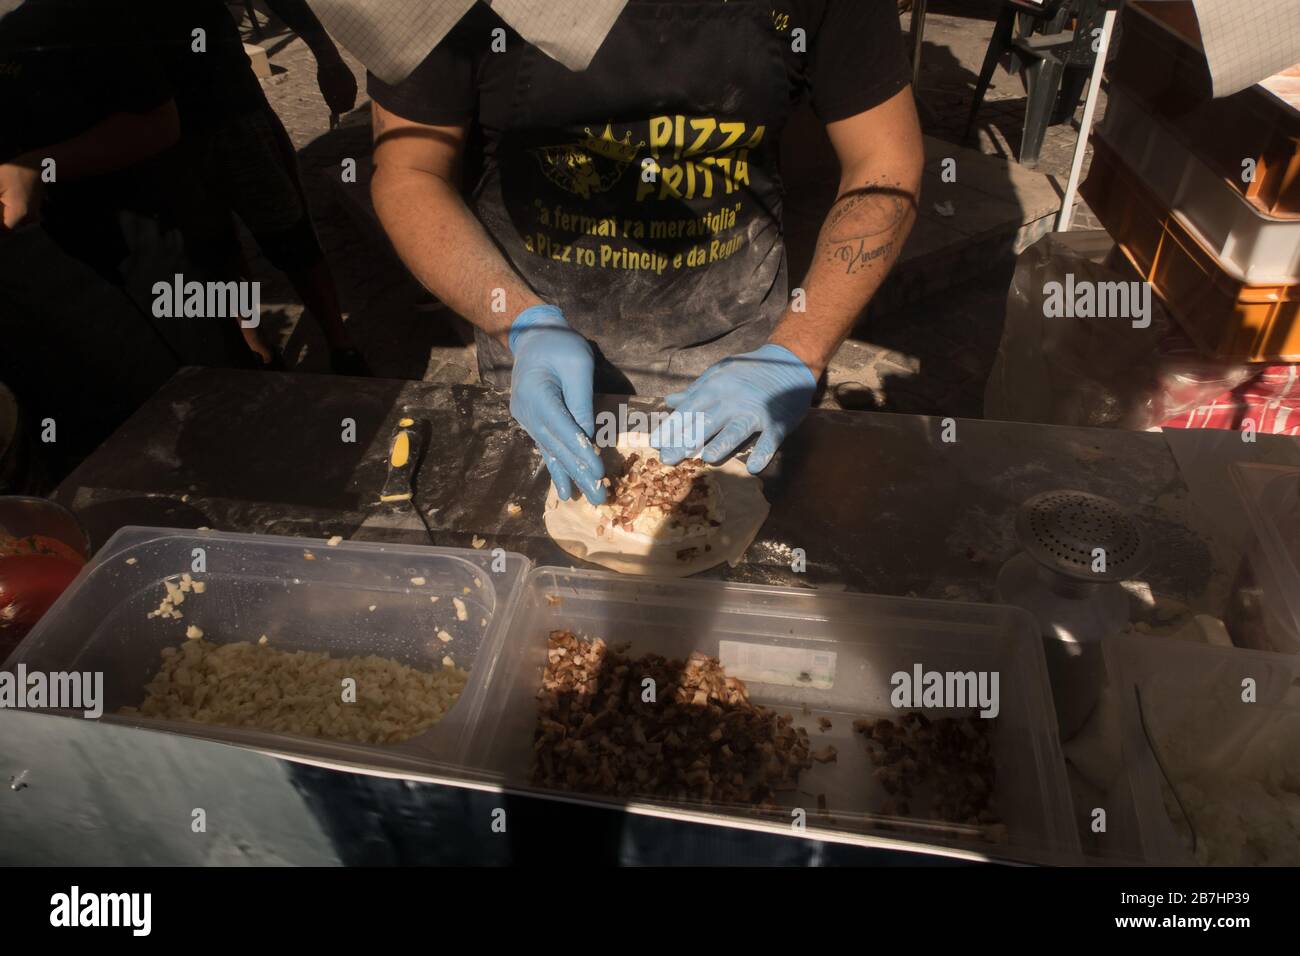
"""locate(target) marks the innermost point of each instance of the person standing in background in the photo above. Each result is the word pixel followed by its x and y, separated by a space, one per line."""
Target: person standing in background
pixel 238 160
pixel 85 137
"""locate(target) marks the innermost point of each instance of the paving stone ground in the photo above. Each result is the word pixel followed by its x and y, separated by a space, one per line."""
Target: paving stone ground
pixel 930 357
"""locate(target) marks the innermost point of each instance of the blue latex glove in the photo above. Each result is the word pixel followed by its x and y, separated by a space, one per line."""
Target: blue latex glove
pixel 550 396
pixel 768 391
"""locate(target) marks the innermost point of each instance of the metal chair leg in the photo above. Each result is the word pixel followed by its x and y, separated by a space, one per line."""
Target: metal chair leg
pixel 252 18
pixel 999 44
pixel 1071 95
pixel 918 36
pixel 1043 80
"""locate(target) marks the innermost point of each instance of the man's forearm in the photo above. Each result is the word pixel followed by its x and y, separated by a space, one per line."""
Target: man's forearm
pixel 859 243
pixel 116 142
pixel 299 18
pixel 447 249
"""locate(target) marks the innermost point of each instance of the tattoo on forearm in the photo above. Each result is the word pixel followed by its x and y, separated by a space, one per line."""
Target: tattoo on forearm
pixel 856 257
pixel 863 226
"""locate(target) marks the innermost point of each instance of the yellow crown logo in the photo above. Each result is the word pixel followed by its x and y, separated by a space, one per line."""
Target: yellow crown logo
pixel 606 145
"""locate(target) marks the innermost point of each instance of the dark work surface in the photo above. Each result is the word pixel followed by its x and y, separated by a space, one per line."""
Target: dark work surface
pixel 879 503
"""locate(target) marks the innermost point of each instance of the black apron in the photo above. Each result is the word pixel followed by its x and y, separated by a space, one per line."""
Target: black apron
pixel 664 277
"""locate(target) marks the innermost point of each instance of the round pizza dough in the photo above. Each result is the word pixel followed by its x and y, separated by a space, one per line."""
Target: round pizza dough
pixel 740 504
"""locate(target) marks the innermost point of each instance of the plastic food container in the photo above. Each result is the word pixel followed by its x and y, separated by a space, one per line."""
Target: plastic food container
pixel 1224 315
pixel 1161 61
pixel 259 584
pixel 1260 249
pixel 1265 613
pixel 1191 697
pixel 831 653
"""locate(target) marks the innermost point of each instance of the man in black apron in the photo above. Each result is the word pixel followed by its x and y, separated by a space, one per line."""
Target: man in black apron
pixel 625 233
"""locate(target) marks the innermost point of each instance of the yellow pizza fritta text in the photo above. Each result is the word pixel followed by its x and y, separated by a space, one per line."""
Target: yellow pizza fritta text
pixel 694 157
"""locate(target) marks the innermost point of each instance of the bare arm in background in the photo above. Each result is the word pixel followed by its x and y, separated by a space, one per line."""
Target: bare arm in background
pixel 116 142
pixel 881 156
pixel 298 17
pixel 335 79
pixel 417 197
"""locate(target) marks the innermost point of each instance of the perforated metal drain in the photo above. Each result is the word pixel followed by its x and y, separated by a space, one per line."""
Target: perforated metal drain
pixel 1062 531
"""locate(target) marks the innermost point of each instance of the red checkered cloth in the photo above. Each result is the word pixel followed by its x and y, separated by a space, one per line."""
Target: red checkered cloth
pixel 1270 399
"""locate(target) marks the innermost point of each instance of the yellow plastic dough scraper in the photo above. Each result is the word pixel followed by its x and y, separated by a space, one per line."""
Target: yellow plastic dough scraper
pixel 394 509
